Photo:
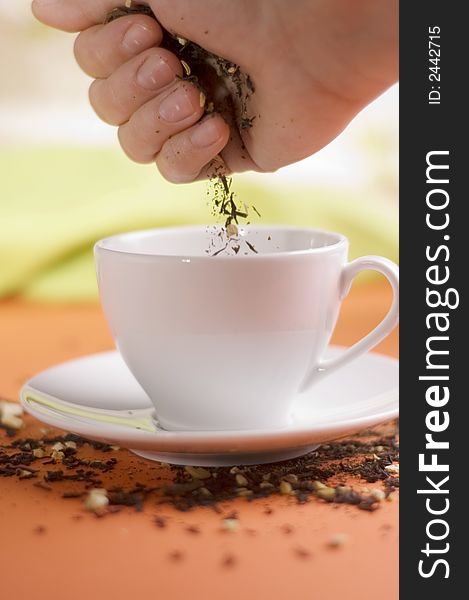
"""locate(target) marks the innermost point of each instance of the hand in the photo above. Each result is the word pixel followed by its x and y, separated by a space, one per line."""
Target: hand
pixel 315 64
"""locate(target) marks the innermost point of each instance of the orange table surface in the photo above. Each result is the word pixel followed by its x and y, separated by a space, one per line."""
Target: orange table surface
pixel 51 549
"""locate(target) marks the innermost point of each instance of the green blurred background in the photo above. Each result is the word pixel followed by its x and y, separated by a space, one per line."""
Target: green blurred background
pixel 64 182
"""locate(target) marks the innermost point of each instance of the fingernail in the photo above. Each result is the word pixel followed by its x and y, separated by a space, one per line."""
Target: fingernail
pixel 154 73
pixel 205 134
pixel 137 38
pixel 177 106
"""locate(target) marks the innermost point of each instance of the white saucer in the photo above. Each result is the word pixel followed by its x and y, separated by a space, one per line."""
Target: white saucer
pixel 97 397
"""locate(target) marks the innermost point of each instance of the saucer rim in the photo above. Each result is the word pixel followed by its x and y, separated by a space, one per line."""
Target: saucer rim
pixel 212 441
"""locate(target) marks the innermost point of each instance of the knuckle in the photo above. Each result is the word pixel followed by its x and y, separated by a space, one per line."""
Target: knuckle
pixel 135 151
pixel 148 126
pixel 81 51
pixel 93 97
pixel 172 168
pixel 171 175
pixel 116 102
pixel 267 164
pixel 91 57
pixel 101 106
pixel 77 47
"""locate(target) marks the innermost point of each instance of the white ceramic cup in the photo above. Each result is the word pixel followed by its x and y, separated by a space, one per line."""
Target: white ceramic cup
pixel 228 342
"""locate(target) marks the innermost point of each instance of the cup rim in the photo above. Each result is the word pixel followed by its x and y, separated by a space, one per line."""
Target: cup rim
pixel 101 245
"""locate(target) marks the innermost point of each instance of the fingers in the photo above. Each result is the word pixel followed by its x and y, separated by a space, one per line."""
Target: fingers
pixel 73 15
pixel 133 84
pixel 185 155
pixel 101 49
pixel 172 111
pixel 137 87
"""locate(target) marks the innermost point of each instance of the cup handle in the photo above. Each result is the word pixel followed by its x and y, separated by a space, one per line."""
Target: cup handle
pixel 391 271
